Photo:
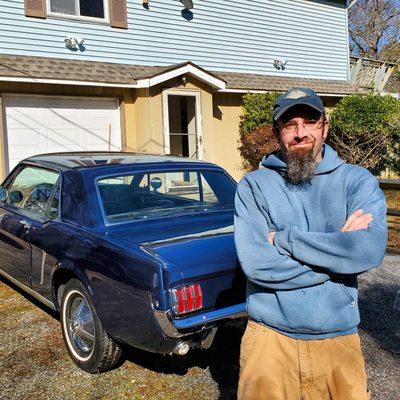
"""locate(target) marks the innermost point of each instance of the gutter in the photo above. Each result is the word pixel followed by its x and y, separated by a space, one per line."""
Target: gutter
pixel 66 82
pixel 245 91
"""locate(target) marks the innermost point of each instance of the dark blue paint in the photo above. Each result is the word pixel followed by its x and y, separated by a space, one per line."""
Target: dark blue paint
pixel 128 268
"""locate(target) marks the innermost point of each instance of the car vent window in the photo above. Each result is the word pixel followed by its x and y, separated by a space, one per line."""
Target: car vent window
pixel 53 210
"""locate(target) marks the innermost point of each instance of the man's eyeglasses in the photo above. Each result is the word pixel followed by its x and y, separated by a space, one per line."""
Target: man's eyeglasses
pixel 310 125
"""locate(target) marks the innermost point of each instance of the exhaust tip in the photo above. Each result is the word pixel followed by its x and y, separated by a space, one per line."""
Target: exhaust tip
pixel 182 349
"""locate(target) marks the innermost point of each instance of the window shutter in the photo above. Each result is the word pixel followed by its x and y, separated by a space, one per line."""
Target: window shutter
pixel 118 17
pixel 35 8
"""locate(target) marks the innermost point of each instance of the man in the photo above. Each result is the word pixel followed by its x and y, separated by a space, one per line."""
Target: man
pixel 306 224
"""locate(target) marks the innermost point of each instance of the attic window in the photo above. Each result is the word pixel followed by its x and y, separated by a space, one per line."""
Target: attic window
pixel 81 9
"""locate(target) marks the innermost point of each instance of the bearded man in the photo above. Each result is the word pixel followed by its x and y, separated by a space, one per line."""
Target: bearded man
pixel 306 225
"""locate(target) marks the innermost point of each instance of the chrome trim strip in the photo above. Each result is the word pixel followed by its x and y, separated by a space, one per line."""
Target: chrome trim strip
pixel 44 255
pixel 212 232
pixel 27 289
pixel 170 327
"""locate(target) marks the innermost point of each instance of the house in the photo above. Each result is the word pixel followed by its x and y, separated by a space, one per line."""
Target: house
pixel 159 76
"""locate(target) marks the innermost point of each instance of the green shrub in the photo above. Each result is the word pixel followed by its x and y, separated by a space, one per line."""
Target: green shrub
pixel 393 157
pixel 364 130
pixel 256 136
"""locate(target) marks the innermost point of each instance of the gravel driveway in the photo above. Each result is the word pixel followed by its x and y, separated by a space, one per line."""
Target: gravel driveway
pixel 35 365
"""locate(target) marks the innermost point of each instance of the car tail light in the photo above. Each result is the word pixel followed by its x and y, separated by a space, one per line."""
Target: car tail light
pixel 186 299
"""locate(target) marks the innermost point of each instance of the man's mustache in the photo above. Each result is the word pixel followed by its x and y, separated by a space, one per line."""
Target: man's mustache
pixel 305 140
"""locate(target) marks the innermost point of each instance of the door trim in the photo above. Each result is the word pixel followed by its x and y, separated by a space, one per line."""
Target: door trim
pixel 199 133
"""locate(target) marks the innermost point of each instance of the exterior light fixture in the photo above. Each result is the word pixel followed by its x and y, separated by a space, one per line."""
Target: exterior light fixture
pixel 73 42
pixel 188 4
pixel 280 64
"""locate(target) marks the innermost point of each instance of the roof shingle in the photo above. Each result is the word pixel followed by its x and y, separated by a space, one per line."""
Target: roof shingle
pixel 29 67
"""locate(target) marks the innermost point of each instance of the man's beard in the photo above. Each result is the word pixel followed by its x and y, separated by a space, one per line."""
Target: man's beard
pixel 300 166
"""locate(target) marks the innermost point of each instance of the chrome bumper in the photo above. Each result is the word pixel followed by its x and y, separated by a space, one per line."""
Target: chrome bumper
pixel 172 326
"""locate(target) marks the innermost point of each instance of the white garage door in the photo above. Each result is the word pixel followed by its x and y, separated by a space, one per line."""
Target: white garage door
pixel 44 124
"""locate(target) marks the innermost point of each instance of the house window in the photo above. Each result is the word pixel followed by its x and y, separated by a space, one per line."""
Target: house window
pixel 79 8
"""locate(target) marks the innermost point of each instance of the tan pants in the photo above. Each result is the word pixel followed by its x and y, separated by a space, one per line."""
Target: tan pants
pixel 277 367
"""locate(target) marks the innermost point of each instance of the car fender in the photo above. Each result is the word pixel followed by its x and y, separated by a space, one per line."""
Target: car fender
pixel 61 274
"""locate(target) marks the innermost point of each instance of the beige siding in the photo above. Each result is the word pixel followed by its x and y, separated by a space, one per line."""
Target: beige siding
pixel 227 111
pixel 2 143
pixel 146 134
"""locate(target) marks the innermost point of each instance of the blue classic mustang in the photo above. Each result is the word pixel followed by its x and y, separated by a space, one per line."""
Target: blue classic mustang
pixel 129 248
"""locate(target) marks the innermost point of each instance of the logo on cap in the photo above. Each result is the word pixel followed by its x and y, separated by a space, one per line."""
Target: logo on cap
pixel 296 94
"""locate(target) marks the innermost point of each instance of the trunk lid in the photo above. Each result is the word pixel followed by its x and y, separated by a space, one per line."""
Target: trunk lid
pixel 194 250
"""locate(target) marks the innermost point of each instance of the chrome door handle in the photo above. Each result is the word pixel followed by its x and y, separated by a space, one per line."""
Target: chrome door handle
pixel 26 224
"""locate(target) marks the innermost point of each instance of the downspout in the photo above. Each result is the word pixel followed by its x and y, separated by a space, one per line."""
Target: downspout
pixel 347 43
pixel 350 3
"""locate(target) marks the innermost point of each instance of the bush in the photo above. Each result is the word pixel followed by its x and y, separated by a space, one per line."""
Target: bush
pixel 255 144
pixel 256 137
pixel 393 157
pixel 364 130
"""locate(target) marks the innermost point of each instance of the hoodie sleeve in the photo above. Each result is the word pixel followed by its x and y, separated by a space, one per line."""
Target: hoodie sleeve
pixel 260 261
pixel 350 252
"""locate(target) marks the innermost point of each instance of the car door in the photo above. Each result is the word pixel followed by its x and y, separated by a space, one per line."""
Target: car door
pixel 29 192
pixel 47 240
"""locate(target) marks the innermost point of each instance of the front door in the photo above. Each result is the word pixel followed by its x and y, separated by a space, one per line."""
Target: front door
pixel 182 123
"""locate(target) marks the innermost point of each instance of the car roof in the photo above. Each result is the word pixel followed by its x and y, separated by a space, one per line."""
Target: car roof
pixel 76 160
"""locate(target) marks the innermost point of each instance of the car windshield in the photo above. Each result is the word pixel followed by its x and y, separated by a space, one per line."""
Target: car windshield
pixel 159 194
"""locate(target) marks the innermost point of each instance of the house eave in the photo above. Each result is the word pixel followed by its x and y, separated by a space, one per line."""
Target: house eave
pixel 65 82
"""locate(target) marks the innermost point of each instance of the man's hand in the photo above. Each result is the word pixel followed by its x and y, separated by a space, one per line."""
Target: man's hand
pixel 357 220
pixel 271 236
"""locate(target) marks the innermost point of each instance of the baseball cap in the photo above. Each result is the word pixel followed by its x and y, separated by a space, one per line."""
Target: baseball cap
pixel 294 97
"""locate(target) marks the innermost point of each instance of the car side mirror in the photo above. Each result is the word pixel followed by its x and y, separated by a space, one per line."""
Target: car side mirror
pixel 15 196
pixel 3 194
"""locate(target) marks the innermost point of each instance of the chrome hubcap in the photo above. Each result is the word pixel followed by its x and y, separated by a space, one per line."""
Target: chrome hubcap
pixel 81 325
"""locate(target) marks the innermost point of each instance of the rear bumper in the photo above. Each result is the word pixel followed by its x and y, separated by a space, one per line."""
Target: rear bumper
pixel 176 328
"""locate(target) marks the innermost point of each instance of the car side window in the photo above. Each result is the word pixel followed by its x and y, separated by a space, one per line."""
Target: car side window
pixel 31 190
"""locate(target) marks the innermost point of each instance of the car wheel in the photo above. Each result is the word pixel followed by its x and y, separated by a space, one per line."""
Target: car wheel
pixel 88 344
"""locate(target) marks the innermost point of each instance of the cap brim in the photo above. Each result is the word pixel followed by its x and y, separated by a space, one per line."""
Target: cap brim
pixel 303 103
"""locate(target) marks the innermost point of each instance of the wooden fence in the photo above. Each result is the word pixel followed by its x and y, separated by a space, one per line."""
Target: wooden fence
pixel 391 188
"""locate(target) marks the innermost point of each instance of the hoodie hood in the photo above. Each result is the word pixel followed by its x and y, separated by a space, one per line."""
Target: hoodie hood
pixel 330 161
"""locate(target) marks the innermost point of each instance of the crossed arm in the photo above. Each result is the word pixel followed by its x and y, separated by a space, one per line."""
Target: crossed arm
pixel 288 259
pixel 260 261
pixel 357 220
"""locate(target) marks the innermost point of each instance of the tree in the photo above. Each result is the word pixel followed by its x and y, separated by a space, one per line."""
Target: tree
pixel 374 25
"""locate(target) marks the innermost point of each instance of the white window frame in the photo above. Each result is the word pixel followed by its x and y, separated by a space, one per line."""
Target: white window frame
pixel 199 134
pixel 105 20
